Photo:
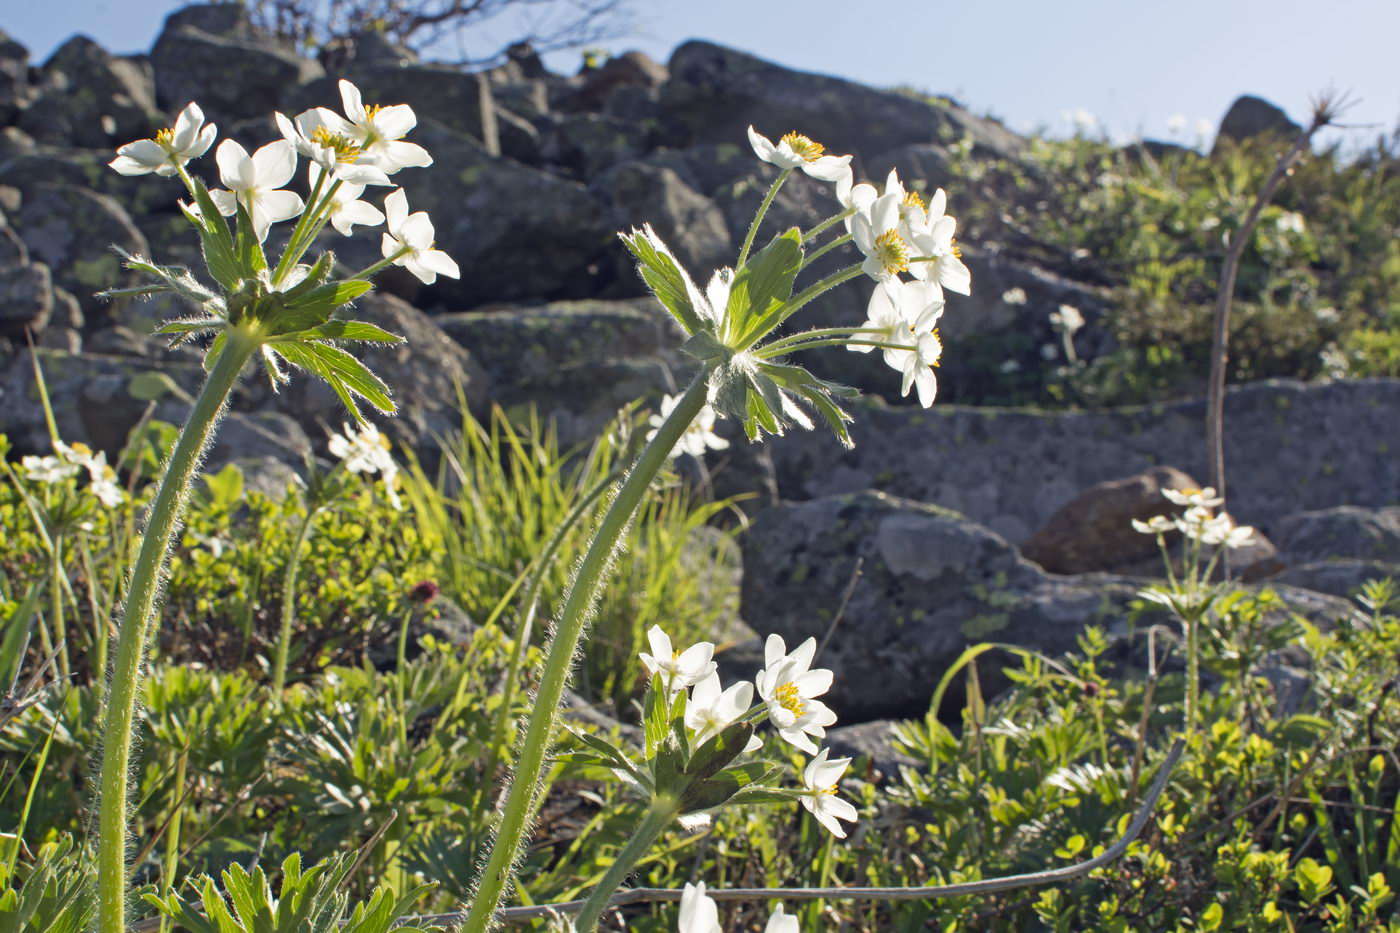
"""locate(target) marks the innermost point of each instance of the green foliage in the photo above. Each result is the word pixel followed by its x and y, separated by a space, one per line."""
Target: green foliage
pixel 53 895
pixel 1317 285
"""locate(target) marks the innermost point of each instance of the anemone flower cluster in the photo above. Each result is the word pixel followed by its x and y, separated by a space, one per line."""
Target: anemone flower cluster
pixel 787 688
pixel 1198 522
pixel 347 153
pixel 365 449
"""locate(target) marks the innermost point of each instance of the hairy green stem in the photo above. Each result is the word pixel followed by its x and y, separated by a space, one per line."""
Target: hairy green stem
pixel 60 630
pixel 145 575
pixel 384 263
pixel 767 353
pixel 289 590
pixel 657 818
pixel 834 244
pixel 559 657
pixel 827 224
pixel 299 231
pixel 758 218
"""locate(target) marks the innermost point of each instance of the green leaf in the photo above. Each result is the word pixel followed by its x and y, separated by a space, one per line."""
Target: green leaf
pixel 666 279
pixel 215 240
pixel 318 274
pixel 215 348
pixel 225 487
pixel 250 252
pixel 765 280
pixel 836 417
pixel 655 723
pixel 149 386
pixel 314 308
pixel 760 795
pixel 346 376
pixel 711 793
pixel 704 346
pixel 719 751
pixel 342 330
pixel 729 387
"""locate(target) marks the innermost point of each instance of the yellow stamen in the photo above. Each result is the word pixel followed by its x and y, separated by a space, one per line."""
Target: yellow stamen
pixel 955 248
pixel 912 200
pixel 789 698
pixel 372 111
pixel 940 348
pixel 892 252
pixel 828 790
pixel 809 150
pixel 165 138
pixel 345 149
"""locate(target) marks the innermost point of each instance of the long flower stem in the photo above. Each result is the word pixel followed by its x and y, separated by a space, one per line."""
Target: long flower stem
pixel 758 217
pixel 793 304
pixel 657 818
pixel 60 633
pixel 767 353
pixel 289 594
pixel 146 572
pixel 827 224
pixel 834 244
pixel 1193 671
pixel 384 263
pixel 559 657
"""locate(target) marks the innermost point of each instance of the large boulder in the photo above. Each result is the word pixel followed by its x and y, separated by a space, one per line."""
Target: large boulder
pixel 1346 531
pixel 87 96
pixel 1251 116
pixel 717 92
pixel 236 75
pixel 1289 445
pixel 26 299
pixel 73 230
pixel 931 582
pixel 689 223
pixel 14 78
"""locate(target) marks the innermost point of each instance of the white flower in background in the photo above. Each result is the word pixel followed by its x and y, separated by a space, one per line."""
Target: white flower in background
pixel 102 479
pixel 780 922
pixel 188 139
pixel 1082 120
pixel 819 780
pixel 108 492
pixel 1014 296
pixel 364 449
pixel 255 182
pixel 1291 222
pixel 409 242
pixel 47 470
pixel 883 313
pixel 378 131
pixel 1204 128
pixel 876 232
pixel 699 912
pixel 346 209
pixel 1156 525
pixel 918 365
pixel 698 437
pixel 1200 525
pixel 709 710
pixel 678 669
pixel 854 197
pixel 797 151
pixel 313 136
pixel 1203 498
pixel 788 687
pixel 1067 320
pixel 1176 124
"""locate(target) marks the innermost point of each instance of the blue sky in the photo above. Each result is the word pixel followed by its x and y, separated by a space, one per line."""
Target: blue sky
pixel 1132 65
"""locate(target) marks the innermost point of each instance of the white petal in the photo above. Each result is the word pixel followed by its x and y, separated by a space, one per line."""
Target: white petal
pixel 814 683
pixel 362 174
pixel 388 245
pixel 439 262
pixel 275 164
pixel 395 122
pixel 954 275
pixel 762 145
pixel 203 142
pixel 774 649
pixel 395 210
pixel 279 205
pixel 395 155
pixel 225 201
pixel 126 165
pixel 230 158
pixel 350 100
pixel 421 272
pixel 828 168
pixel 417 231
pixel 927 384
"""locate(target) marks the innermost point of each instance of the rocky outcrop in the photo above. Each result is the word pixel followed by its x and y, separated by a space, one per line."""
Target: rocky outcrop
pixel 86 96
pixel 1251 116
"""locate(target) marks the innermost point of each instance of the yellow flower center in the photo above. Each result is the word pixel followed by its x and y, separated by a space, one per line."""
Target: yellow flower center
pixel 809 150
pixel 166 138
pixel 955 248
pixel 940 348
pixel 912 200
pixel 372 111
pixel 892 252
pixel 828 790
pixel 345 149
pixel 789 698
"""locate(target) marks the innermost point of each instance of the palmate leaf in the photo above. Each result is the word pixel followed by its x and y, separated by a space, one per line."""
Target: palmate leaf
pixel 347 376
pixel 362 331
pixel 251 258
pixel 215 240
pixel 763 284
pixel 313 308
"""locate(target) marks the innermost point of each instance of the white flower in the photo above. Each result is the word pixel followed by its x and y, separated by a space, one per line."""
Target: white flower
pixel 876 232
pixel 1156 525
pixel 699 912
pixel 699 436
pixel 1067 319
pixel 678 669
pixel 1082 120
pixel 346 209
pixel 709 710
pixel 409 242
pixel 1176 123
pixel 1014 296
pixel 1203 498
pixel 918 365
pixel 780 922
pixel 797 151
pixel 315 138
pixel 788 687
pixel 188 139
pixel 936 239
pixel 883 313
pixel 819 780
pixel 47 470
pixel 108 492
pixel 254 181
pixel 378 131
pixel 364 449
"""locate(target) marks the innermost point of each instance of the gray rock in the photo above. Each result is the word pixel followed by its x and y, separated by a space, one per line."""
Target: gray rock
pixel 229 20
pixel 268 476
pixel 1093 532
pixel 1251 116
pixel 26 300
pixel 707 166
pixel 424 374
pixel 577 362
pixel 628 70
pixel 1341 577
pixel 87 96
pixel 932 583
pixel 73 230
pixel 258 436
pixel 14 78
pixel 232 77
pixel 1289 446
pixel 718 92
pixel 589 143
pixel 1345 531
pixel 29 169
pixel 688 222
pixel 13 252
pixel 874 741
pixel 366 49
